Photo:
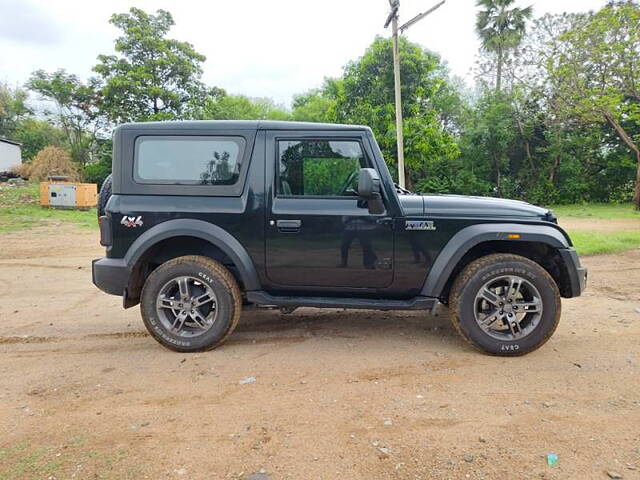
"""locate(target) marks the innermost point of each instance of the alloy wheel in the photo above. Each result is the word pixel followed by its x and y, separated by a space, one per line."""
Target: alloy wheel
pixel 186 306
pixel 508 308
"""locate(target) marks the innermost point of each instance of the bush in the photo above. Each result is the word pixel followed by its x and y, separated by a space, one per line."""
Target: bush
pixel 97 172
pixel 21 170
pixel 50 161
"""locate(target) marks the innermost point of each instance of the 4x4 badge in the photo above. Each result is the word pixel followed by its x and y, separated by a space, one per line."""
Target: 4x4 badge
pixel 419 225
pixel 131 221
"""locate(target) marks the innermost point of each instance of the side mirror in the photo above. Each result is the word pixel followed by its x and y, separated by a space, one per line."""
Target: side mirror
pixel 369 190
pixel 368 183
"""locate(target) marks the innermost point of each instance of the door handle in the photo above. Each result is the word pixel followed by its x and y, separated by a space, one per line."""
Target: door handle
pixel 289 226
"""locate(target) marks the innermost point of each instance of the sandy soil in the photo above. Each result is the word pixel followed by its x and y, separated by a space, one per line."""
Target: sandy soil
pixel 86 393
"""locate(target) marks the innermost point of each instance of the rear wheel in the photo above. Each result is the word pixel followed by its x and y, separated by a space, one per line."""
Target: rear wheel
pixel 190 304
pixel 505 304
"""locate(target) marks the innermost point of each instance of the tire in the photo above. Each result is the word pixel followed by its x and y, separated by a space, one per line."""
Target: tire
pixel 204 276
pixel 105 194
pixel 497 335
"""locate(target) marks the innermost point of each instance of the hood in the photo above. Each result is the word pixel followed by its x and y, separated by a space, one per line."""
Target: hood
pixel 464 206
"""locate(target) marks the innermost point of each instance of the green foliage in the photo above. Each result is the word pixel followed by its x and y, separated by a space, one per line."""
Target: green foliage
pixel 489 133
pixel 96 172
pixel 35 134
pixel 13 108
pixel 597 74
pixel 317 106
pixel 328 176
pixel 365 95
pixel 151 77
pixel 240 107
pixel 76 111
pixel 501 29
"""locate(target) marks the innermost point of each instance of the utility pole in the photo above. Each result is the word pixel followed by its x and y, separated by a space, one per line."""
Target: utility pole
pixel 393 19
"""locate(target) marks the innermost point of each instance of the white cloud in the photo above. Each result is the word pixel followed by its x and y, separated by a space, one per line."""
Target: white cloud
pixel 24 23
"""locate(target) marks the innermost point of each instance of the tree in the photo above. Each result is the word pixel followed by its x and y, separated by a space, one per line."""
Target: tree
pixel 239 107
pixel 76 109
pixel 34 134
pixel 488 136
pixel 151 77
pixel 501 29
pixel 318 105
pixel 598 77
pixel 365 95
pixel 13 108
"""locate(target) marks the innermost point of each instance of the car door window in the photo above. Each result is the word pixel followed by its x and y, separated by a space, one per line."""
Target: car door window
pixel 319 168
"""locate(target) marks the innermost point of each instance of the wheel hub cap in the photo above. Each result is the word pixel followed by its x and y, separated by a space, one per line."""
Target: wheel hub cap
pixel 186 306
pixel 508 307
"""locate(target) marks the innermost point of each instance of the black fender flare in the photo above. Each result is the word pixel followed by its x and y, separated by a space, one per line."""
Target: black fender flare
pixel 198 229
pixel 469 237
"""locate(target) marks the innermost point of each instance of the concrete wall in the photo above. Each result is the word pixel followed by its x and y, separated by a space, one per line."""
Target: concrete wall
pixel 10 155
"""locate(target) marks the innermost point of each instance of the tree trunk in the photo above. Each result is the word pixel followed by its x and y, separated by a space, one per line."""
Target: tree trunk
pixel 527 147
pixel 626 138
pixel 499 71
pixel 554 170
pixel 496 165
pixel 636 193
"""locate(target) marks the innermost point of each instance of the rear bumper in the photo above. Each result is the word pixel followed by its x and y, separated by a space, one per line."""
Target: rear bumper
pixel 111 275
pixel 576 273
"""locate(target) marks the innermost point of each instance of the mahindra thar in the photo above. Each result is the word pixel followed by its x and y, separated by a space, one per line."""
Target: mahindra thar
pixel 202 219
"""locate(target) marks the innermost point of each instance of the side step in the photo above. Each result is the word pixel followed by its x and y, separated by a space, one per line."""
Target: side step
pixel 416 303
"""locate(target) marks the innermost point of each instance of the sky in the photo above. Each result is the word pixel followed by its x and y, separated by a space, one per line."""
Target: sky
pixel 253 47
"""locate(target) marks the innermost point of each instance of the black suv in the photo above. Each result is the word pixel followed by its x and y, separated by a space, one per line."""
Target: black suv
pixel 202 218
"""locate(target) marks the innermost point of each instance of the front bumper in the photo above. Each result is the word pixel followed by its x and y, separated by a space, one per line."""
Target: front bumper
pixel 576 273
pixel 111 275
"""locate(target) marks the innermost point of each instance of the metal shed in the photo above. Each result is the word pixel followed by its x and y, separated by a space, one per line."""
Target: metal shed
pixel 10 154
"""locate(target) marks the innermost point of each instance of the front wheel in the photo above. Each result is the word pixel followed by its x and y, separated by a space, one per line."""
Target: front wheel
pixel 505 304
pixel 190 304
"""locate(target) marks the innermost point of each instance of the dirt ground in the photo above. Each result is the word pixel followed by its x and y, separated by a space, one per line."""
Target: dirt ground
pixel 86 393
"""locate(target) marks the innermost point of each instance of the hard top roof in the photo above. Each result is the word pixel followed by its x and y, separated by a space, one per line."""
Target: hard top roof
pixel 238 125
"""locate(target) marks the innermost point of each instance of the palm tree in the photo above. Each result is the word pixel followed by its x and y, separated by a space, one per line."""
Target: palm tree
pixel 501 29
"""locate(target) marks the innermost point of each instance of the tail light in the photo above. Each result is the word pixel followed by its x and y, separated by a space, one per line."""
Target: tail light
pixel 105 231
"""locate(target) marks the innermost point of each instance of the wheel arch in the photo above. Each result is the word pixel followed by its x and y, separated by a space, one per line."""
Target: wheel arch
pixel 539 243
pixel 179 237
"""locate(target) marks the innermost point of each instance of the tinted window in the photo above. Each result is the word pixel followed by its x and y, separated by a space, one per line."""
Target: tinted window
pixel 188 160
pixel 319 167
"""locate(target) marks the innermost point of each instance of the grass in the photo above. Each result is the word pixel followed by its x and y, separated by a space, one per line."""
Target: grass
pixel 20 208
pixel 25 460
pixel 597 211
pixel 596 243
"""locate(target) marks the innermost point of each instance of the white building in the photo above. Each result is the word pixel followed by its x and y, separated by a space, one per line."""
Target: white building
pixel 10 154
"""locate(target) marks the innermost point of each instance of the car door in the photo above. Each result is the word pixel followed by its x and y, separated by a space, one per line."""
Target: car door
pixel 319 233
